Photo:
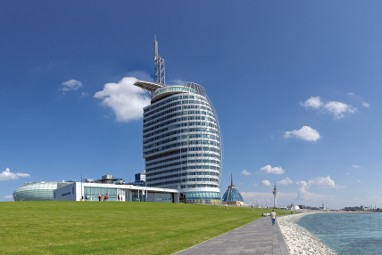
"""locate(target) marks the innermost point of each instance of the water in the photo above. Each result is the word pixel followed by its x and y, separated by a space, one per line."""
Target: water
pixel 346 233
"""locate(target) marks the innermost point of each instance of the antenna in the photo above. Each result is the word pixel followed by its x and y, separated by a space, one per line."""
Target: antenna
pixel 160 71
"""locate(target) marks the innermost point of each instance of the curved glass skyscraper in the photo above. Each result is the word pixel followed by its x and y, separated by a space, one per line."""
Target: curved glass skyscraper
pixel 181 140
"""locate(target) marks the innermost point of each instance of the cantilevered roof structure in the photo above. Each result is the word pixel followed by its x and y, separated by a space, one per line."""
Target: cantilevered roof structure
pixel 146 85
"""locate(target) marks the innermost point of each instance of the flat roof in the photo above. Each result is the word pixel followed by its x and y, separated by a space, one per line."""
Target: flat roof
pixel 127 186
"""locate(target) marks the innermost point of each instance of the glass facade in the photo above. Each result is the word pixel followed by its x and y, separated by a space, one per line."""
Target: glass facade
pixel 101 193
pixel 35 191
pixel 232 195
pixel 181 143
pixel 112 194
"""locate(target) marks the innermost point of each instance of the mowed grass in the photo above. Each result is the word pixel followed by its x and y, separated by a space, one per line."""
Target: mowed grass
pixel 113 227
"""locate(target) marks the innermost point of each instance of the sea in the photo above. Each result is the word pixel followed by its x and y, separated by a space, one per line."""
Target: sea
pixel 347 233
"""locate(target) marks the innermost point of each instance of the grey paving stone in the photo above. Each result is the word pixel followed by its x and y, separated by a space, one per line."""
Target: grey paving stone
pixel 257 238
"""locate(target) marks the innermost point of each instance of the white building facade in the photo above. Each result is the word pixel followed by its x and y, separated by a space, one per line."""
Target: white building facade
pixel 84 191
pixel 181 143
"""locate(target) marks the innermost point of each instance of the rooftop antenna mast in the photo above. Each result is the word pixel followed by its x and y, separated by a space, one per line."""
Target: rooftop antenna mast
pixel 160 71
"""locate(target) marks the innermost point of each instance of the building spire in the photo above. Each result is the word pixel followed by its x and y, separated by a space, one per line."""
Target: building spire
pixel 160 71
pixel 231 181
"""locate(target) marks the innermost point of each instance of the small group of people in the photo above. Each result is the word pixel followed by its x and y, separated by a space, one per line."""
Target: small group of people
pixel 103 197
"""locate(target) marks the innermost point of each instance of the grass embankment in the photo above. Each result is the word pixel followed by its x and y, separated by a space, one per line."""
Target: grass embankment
pixel 113 227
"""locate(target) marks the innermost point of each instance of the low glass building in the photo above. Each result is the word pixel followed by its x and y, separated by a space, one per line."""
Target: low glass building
pixel 35 191
pixel 105 189
pixel 232 196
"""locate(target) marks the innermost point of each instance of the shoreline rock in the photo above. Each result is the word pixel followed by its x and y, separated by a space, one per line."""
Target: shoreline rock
pixel 299 240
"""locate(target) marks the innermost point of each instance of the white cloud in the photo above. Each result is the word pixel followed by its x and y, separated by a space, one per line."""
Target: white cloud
pixel 355 166
pixel 322 182
pixel 272 170
pixel 305 195
pixel 339 109
pixel 7 175
pixel 245 173
pixel 70 85
pixel 285 181
pixel 125 99
pixel 359 99
pixel 313 102
pixel 8 197
pixel 351 94
pixel 266 183
pixel 305 133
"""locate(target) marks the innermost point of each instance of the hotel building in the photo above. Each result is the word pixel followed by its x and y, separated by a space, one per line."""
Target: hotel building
pixel 181 139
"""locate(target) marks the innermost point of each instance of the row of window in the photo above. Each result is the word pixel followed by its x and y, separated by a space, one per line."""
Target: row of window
pixel 196 105
pixel 174 184
pixel 185 162
pixel 174 145
pixel 212 123
pixel 196 111
pixel 186 136
pixel 183 169
pixel 174 107
pixel 204 201
pixel 183 178
pixel 183 175
pixel 182 137
pixel 173 88
pixel 162 155
pixel 165 102
pixel 184 118
pixel 217 150
pixel 212 195
pixel 177 131
pixel 185 156
pixel 198 186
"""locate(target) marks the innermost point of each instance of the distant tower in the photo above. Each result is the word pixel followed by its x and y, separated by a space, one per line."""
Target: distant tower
pixel 275 191
pixel 160 72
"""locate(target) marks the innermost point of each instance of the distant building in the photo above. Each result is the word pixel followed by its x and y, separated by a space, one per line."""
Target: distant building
pixel 35 191
pixel 107 188
pixel 232 196
pixel 293 207
pixel 354 208
pixel 140 179
pixel 78 191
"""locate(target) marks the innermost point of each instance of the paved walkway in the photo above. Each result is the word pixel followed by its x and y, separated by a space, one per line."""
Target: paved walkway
pixel 256 238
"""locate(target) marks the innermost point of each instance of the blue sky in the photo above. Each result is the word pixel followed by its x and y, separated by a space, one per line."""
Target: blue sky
pixel 297 87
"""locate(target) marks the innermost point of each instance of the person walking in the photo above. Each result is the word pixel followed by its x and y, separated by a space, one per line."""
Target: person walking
pixel 273 217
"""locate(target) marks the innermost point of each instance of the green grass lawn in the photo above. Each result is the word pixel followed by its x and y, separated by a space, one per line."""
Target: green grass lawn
pixel 113 227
